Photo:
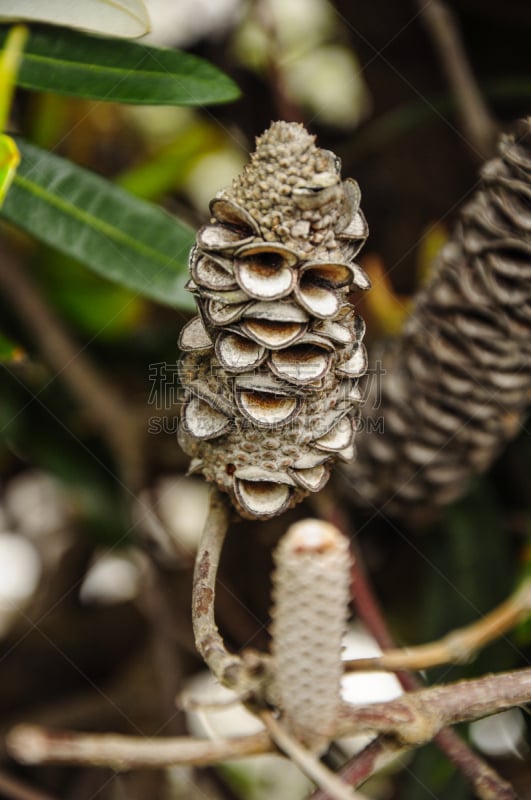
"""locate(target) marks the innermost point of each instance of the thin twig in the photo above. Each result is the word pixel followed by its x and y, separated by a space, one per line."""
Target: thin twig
pixel 460 645
pixel 377 755
pixel 96 395
pixel 242 675
pixel 485 781
pixel 328 781
pixel 409 721
pixel 285 106
pixel 476 120
pixel 30 744
pixel 208 640
pixel 14 789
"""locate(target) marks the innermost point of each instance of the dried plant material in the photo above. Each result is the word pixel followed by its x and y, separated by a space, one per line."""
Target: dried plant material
pixel 457 383
pixel 310 605
pixel 276 346
pixel 194 336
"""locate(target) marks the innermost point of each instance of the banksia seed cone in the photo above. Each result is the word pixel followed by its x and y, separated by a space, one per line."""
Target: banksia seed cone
pixel 274 356
pixel 310 606
pixel 458 381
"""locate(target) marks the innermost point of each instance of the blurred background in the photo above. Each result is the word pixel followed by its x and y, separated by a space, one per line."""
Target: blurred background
pixel 96 559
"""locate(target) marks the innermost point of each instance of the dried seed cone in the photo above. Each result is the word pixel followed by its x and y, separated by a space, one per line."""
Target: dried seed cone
pixel 310 606
pixel 275 354
pixel 458 381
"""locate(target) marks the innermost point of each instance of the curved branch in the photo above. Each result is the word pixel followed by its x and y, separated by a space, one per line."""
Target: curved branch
pixel 459 646
pixel 224 665
pixel 245 675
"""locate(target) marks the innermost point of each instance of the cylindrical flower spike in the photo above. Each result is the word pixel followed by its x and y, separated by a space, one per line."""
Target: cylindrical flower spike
pixel 311 594
pixel 273 358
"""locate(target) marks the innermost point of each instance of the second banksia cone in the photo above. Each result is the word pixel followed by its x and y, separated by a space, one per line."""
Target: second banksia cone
pixel 458 381
pixel 273 358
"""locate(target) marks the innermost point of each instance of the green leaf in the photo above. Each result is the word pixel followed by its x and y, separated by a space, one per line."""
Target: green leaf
pixel 115 17
pixel 10 353
pixel 127 240
pixel 9 161
pixel 68 62
pixel 10 58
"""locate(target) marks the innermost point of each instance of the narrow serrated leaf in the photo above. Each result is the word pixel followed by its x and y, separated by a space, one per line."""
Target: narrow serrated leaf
pixel 95 67
pixel 129 241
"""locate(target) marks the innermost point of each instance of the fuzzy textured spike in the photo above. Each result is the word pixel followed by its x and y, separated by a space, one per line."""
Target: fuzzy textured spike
pixel 311 594
pixel 272 361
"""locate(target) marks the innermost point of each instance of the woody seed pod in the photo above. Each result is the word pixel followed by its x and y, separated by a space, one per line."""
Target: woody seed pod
pixel 274 356
pixel 457 382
